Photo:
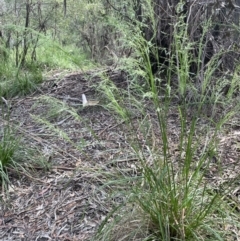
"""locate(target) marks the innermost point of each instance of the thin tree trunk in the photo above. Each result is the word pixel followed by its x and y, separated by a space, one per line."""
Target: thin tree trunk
pixel 25 40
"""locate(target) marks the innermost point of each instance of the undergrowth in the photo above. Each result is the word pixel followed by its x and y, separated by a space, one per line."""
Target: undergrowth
pixel 8 148
pixel 171 198
pixel 17 158
pixel 17 80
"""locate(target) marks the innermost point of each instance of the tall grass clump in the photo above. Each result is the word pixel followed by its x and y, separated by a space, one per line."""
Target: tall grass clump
pixel 9 146
pixel 170 199
pixel 16 80
pixel 16 158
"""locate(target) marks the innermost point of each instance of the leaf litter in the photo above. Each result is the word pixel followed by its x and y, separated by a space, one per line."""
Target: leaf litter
pixel 69 198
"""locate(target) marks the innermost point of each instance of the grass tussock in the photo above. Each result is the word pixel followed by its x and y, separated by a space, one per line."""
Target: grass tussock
pixel 172 198
pixel 9 146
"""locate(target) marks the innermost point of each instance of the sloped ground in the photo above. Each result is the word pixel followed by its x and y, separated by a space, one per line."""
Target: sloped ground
pixel 69 201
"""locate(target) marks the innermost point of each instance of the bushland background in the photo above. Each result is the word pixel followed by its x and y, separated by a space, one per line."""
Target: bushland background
pixel 119 120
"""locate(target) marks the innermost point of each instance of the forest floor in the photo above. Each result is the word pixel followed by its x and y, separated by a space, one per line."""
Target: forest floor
pixel 70 199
